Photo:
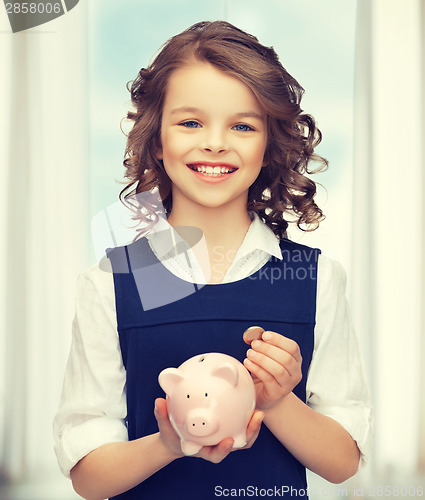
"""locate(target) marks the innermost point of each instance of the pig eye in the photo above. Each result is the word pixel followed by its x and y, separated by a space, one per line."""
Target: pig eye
pixel 201 359
pixel 206 394
pixel 188 396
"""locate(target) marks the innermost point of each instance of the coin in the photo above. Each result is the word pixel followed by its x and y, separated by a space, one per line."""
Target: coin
pixel 252 333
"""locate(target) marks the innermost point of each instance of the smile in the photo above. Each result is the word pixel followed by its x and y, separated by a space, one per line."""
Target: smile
pixel 212 171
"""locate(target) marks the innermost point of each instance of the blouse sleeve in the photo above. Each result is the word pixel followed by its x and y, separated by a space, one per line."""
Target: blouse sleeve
pixel 336 382
pixel 93 404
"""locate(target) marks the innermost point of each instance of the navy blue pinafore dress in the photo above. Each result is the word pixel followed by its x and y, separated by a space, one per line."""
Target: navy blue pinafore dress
pixel 163 321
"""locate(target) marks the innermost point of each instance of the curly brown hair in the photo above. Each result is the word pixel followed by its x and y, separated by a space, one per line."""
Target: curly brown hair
pixel 282 187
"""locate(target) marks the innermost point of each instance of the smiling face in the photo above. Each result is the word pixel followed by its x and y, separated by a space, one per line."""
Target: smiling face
pixel 213 137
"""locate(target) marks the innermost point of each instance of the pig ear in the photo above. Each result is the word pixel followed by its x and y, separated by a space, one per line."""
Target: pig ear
pixel 227 372
pixel 169 378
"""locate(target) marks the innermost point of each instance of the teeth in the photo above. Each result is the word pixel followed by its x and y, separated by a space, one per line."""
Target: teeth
pixel 213 171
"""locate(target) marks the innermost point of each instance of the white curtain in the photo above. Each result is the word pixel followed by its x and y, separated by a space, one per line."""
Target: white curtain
pixel 388 227
pixel 44 239
pixel 43 230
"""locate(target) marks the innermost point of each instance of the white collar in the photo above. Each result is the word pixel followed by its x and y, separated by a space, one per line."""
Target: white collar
pixel 258 237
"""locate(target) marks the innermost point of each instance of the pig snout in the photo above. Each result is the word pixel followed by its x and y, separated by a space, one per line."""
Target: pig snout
pixel 201 422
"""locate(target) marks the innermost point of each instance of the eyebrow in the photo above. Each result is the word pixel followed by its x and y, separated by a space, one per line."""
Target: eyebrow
pixel 250 114
pixel 244 114
pixel 185 109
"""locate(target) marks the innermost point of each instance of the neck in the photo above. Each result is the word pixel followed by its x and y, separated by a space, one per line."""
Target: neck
pixel 222 226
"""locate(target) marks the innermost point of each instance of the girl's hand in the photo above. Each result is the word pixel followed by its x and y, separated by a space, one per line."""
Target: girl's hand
pixel 275 363
pixel 213 454
pixel 217 453
pixel 168 435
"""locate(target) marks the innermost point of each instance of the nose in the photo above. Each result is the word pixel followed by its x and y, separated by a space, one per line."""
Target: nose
pixel 200 422
pixel 214 141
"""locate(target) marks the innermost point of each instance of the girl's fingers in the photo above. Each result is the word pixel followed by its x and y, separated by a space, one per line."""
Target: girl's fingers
pixel 283 343
pixel 271 384
pixel 281 371
pixel 273 352
pixel 168 434
pixel 164 424
pixel 275 368
pixel 275 360
pixel 255 423
pixel 253 428
pixel 216 453
pixel 160 410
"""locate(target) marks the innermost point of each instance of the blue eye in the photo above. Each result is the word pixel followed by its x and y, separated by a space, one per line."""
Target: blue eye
pixel 242 127
pixel 190 124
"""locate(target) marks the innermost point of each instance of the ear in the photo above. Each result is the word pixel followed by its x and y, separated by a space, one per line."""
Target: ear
pixel 169 378
pixel 227 372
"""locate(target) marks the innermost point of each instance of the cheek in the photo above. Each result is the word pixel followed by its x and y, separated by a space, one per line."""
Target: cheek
pixel 256 152
pixel 173 146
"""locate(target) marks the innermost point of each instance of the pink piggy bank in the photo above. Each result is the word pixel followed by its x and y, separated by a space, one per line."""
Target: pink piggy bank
pixel 209 397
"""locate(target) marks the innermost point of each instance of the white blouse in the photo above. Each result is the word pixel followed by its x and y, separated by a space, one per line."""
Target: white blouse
pixel 93 408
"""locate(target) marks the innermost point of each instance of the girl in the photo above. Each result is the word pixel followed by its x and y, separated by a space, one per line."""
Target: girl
pixel 218 129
